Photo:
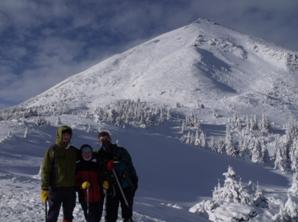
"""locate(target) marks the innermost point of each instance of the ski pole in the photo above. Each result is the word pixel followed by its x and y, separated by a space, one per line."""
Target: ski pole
pixel 120 188
pixel 46 210
pixel 104 201
pixel 88 204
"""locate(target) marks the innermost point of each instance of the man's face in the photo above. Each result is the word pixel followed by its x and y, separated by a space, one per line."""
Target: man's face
pixel 104 140
pixel 66 138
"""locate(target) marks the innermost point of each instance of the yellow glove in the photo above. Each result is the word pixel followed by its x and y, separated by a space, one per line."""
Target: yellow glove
pixel 85 185
pixel 105 185
pixel 44 194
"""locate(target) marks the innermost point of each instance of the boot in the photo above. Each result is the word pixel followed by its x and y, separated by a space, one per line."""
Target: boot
pixel 127 220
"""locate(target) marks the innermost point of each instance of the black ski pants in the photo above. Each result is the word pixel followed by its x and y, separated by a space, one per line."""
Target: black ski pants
pixel 93 211
pixel 113 199
pixel 64 196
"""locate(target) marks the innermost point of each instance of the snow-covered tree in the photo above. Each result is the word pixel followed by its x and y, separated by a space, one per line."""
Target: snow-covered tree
pixel 289 211
pixel 197 141
pixel 264 124
pixel 229 145
pixel 202 139
pixel 256 152
pixel 211 143
pixel 293 155
pixel 182 127
pixel 189 138
pixel 293 190
pixel 26 133
pixel 241 198
pixel 232 190
pixel 58 121
pixel 281 161
pixel 259 198
pixel 220 146
pixel 88 128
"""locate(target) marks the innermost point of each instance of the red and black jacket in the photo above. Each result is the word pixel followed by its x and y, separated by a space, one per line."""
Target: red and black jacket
pixel 89 171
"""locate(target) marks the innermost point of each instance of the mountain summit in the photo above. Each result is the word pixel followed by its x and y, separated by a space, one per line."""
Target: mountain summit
pixel 201 63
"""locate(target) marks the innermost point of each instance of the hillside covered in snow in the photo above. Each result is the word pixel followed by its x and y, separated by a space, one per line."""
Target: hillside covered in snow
pixel 202 64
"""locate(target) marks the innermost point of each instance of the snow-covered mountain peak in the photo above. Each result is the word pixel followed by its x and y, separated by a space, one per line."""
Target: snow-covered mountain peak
pixel 201 63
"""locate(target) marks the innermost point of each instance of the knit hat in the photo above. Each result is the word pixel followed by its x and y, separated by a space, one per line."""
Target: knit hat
pixel 86 148
pixel 104 133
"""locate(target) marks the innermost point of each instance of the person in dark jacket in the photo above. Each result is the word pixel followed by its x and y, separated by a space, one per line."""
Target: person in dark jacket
pixel 58 176
pixel 89 183
pixel 121 176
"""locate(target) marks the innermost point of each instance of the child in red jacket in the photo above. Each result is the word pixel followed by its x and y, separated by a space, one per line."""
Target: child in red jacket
pixel 89 182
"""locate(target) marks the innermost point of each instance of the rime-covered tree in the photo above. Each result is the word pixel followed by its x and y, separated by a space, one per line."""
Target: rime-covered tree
pixel 293 190
pixel 26 133
pixel 58 122
pixel 220 146
pixel 211 144
pixel 259 198
pixel 259 153
pixel 264 124
pixel 232 190
pixel 244 152
pixel 232 193
pixel 188 139
pixel 289 211
pixel 197 141
pixel 291 131
pixel 253 123
pixel 88 128
pixel 281 161
pixel 293 154
pixel 202 139
pixel 229 145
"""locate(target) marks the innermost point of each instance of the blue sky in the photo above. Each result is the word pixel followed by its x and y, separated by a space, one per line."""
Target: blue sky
pixel 44 42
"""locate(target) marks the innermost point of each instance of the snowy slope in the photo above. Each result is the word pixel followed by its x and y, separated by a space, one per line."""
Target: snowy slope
pixel 202 63
pixel 173 176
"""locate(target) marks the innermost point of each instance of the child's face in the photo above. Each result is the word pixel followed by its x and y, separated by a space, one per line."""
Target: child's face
pixel 86 155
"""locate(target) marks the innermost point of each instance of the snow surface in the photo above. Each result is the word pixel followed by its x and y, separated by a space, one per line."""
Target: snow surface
pixel 172 175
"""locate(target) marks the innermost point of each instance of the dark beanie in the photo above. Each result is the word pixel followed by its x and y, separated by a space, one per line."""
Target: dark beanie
pixel 104 133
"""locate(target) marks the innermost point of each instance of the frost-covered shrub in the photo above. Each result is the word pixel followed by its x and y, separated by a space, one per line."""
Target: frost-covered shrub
pixel 232 191
pixel 135 113
pixel 242 200
pixel 289 211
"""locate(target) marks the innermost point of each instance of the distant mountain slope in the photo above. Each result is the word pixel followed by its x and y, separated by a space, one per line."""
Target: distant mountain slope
pixel 202 63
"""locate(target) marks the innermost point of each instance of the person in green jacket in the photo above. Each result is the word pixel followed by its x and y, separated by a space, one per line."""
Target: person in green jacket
pixel 58 176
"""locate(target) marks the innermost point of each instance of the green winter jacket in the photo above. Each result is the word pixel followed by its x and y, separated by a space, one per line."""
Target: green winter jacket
pixel 58 167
